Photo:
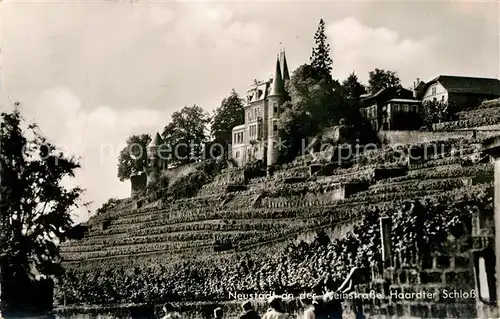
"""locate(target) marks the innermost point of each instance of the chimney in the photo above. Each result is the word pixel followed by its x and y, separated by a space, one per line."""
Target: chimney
pixel 415 91
pixel 415 84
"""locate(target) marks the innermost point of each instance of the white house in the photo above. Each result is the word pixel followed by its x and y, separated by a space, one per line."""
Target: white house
pixel 459 91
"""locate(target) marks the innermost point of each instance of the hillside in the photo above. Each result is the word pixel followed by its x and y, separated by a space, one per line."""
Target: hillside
pixel 198 241
pixel 300 230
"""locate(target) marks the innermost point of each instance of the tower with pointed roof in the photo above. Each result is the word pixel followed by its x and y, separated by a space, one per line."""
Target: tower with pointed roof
pixel 256 139
pixel 284 66
pixel 276 98
pixel 155 161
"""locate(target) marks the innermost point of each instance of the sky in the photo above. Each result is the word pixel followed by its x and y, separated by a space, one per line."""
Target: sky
pixel 93 73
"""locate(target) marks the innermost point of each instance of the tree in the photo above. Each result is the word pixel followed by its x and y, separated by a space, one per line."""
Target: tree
pixel 313 92
pixel 133 157
pixel 229 114
pixel 295 124
pixel 352 87
pixel 436 112
pixel 380 79
pixel 315 103
pixel 320 57
pixel 185 134
pixel 35 209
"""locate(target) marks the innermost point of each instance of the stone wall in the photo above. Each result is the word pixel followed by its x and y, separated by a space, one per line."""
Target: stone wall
pixel 336 231
pixel 177 172
pixel 418 137
pixel 339 134
pixel 437 285
pixel 137 183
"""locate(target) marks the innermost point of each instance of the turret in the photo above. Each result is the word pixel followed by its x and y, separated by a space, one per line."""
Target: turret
pixel 284 66
pixel 277 86
pixel 276 97
pixel 155 163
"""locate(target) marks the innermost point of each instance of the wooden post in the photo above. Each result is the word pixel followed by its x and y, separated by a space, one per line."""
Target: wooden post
pixel 385 235
pixel 497 225
pixel 491 146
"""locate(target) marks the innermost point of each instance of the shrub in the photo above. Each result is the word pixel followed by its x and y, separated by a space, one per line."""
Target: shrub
pixel 189 185
pixel 108 205
pixel 436 112
pixel 157 190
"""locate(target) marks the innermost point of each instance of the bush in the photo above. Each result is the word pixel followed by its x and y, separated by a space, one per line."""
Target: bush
pixel 436 112
pixel 185 186
pixel 158 190
pixel 108 205
pixel 189 185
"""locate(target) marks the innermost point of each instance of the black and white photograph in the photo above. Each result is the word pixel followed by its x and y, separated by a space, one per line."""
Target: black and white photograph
pixel 249 159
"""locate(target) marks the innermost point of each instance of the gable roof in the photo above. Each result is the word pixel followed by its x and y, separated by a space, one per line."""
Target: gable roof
pixel 386 94
pixel 465 84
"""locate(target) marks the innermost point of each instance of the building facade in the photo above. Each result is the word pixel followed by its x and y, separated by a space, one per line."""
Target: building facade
pixel 392 109
pixel 257 139
pixel 460 92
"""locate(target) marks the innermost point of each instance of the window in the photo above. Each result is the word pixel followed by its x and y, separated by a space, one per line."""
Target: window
pixel 433 90
pixel 237 154
pixel 234 138
pixel 275 126
pixel 106 224
pixel 253 130
pixel 396 108
pixel 275 107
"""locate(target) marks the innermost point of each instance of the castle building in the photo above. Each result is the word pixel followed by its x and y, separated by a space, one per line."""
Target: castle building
pixel 257 139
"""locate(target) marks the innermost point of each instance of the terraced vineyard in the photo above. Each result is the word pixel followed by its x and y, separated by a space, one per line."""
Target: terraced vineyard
pixel 264 215
pixel 487 114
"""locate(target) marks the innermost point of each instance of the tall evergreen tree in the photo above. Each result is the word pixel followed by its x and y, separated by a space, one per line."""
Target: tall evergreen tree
pixel 320 58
